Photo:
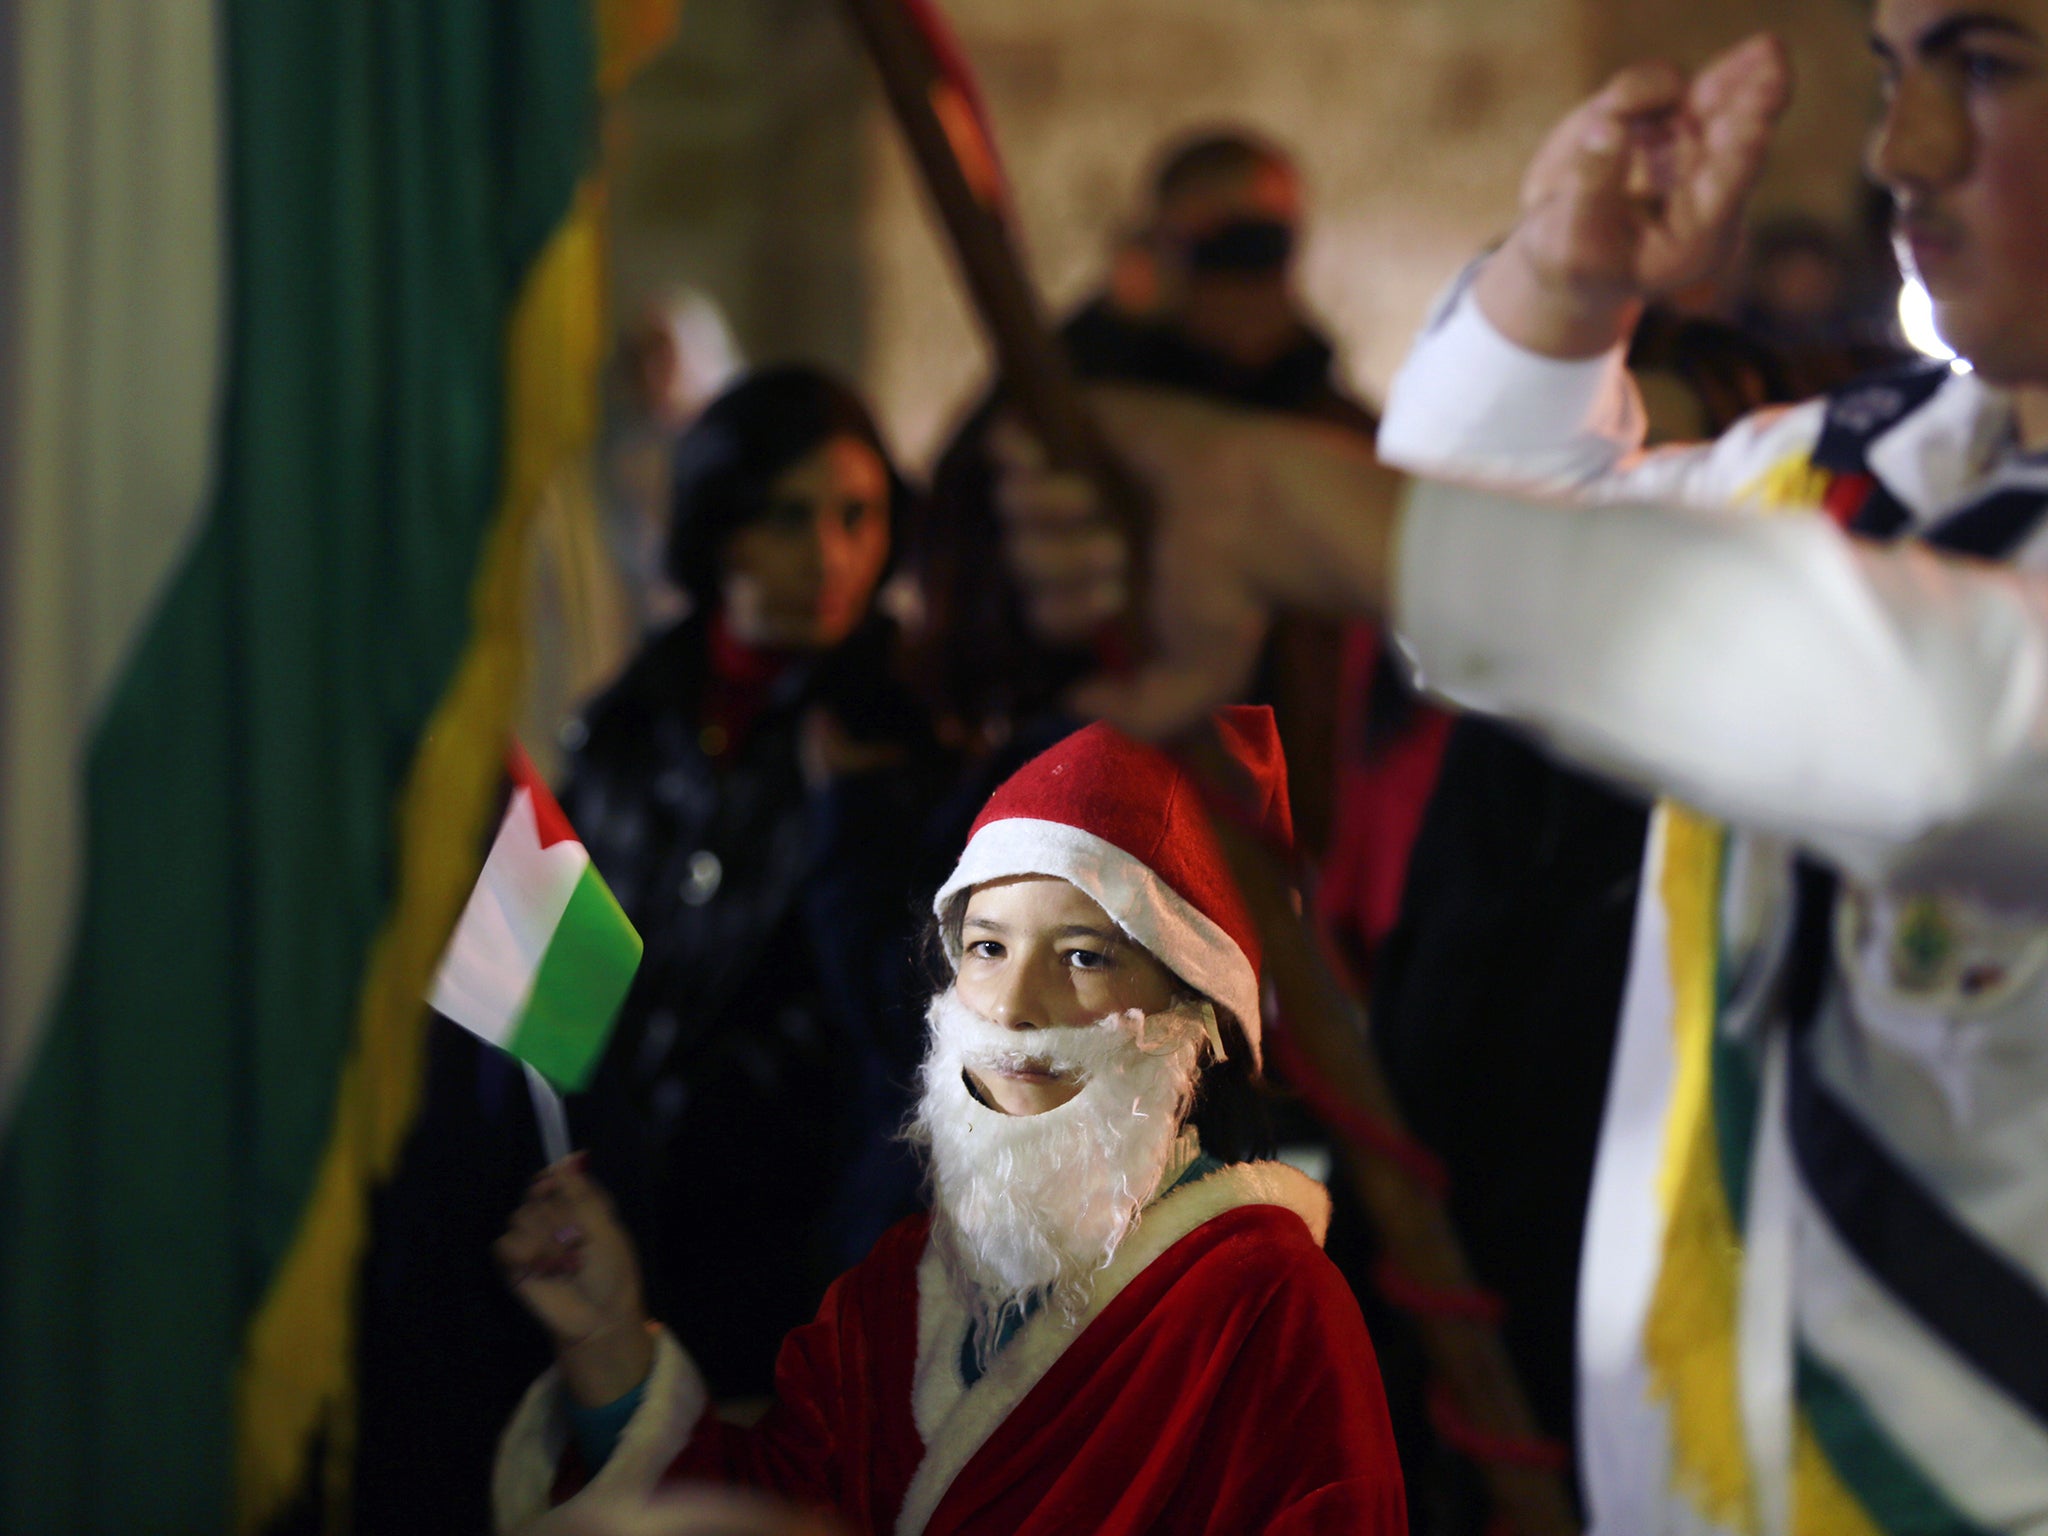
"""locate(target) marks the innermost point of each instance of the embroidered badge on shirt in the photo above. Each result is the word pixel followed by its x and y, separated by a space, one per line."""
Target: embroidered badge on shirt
pixel 1927 973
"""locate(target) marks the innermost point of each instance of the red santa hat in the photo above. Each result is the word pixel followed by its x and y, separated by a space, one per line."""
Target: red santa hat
pixel 1125 823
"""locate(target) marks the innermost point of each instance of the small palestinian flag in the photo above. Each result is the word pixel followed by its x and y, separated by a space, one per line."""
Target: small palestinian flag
pixel 543 955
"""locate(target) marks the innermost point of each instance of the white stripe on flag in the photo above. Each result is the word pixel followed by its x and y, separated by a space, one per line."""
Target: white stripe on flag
pixel 487 974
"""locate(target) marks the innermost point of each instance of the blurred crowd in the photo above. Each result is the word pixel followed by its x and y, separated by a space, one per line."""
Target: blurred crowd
pixel 818 672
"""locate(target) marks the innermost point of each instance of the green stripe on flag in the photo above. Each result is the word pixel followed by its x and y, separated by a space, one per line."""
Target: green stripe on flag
pixel 582 979
pixel 1899 1498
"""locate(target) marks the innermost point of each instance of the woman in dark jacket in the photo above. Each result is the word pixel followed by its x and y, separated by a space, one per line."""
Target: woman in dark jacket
pixel 744 788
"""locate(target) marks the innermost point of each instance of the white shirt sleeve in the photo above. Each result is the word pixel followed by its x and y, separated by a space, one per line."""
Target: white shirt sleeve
pixel 1466 398
pixel 1468 404
pixel 1885 706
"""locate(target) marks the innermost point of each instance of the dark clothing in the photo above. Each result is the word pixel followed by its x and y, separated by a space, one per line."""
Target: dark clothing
pixel 1299 382
pixel 1495 1007
pixel 443 1347
pixel 743 1114
pixel 1389 750
pixel 981 664
pixel 765 1049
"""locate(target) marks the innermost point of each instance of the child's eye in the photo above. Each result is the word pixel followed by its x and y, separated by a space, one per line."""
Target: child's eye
pixel 1986 68
pixel 1088 960
pixel 985 949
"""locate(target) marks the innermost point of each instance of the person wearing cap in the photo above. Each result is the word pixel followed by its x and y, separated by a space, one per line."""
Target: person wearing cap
pixel 1103 1324
pixel 1203 297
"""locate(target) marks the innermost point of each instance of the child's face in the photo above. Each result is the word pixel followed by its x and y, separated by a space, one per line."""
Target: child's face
pixel 1037 952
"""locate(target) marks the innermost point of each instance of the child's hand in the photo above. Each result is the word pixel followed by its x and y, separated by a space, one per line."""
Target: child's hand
pixel 569 1260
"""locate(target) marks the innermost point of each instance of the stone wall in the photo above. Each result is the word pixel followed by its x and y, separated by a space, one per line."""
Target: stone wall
pixel 738 165
pixel 1406 118
pixel 755 161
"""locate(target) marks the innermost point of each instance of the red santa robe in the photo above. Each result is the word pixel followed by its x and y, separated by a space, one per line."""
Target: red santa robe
pixel 1221 1382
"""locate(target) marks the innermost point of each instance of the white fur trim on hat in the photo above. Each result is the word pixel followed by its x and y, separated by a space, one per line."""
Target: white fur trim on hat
pixel 1179 934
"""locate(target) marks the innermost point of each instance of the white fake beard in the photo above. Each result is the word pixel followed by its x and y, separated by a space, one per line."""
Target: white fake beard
pixel 1032 1207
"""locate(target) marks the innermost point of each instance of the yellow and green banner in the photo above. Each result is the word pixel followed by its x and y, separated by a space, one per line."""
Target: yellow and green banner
pixel 303 316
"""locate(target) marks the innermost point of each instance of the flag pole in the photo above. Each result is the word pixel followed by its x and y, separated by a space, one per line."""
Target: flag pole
pixel 550 1113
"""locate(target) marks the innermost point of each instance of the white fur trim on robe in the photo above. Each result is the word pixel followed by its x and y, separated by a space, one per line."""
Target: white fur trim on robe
pixel 620 1500
pixel 955 1420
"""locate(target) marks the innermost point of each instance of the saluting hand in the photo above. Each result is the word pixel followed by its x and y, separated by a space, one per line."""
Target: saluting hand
pixel 1638 192
pixel 566 1256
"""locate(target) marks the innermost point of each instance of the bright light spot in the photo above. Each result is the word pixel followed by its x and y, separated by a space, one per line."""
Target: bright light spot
pixel 1916 320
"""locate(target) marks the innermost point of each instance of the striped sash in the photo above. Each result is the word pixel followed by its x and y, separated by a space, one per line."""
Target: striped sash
pixel 1849 1475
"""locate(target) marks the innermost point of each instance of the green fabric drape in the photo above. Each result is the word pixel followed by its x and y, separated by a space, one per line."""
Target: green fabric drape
pixel 392 169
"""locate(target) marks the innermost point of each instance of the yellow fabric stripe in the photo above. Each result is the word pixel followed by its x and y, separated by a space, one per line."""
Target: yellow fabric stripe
pixel 1791 484
pixel 1821 1504
pixel 1689 1341
pixel 296 1379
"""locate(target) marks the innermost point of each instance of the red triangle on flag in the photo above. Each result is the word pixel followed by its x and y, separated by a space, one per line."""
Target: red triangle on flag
pixel 547 815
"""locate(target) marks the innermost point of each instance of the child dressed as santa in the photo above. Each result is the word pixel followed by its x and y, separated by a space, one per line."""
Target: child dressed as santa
pixel 1102 1326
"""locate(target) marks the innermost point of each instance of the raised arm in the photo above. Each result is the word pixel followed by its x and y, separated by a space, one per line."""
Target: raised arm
pixel 566 1256
pixel 1638 192
pixel 1887 707
pixel 627 1410
pixel 1884 706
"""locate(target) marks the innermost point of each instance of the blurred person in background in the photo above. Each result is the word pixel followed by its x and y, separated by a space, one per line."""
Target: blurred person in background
pixel 597 587
pixel 744 788
pixel 1202 296
pixel 1797 283
pixel 1826 307
pixel 676 355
